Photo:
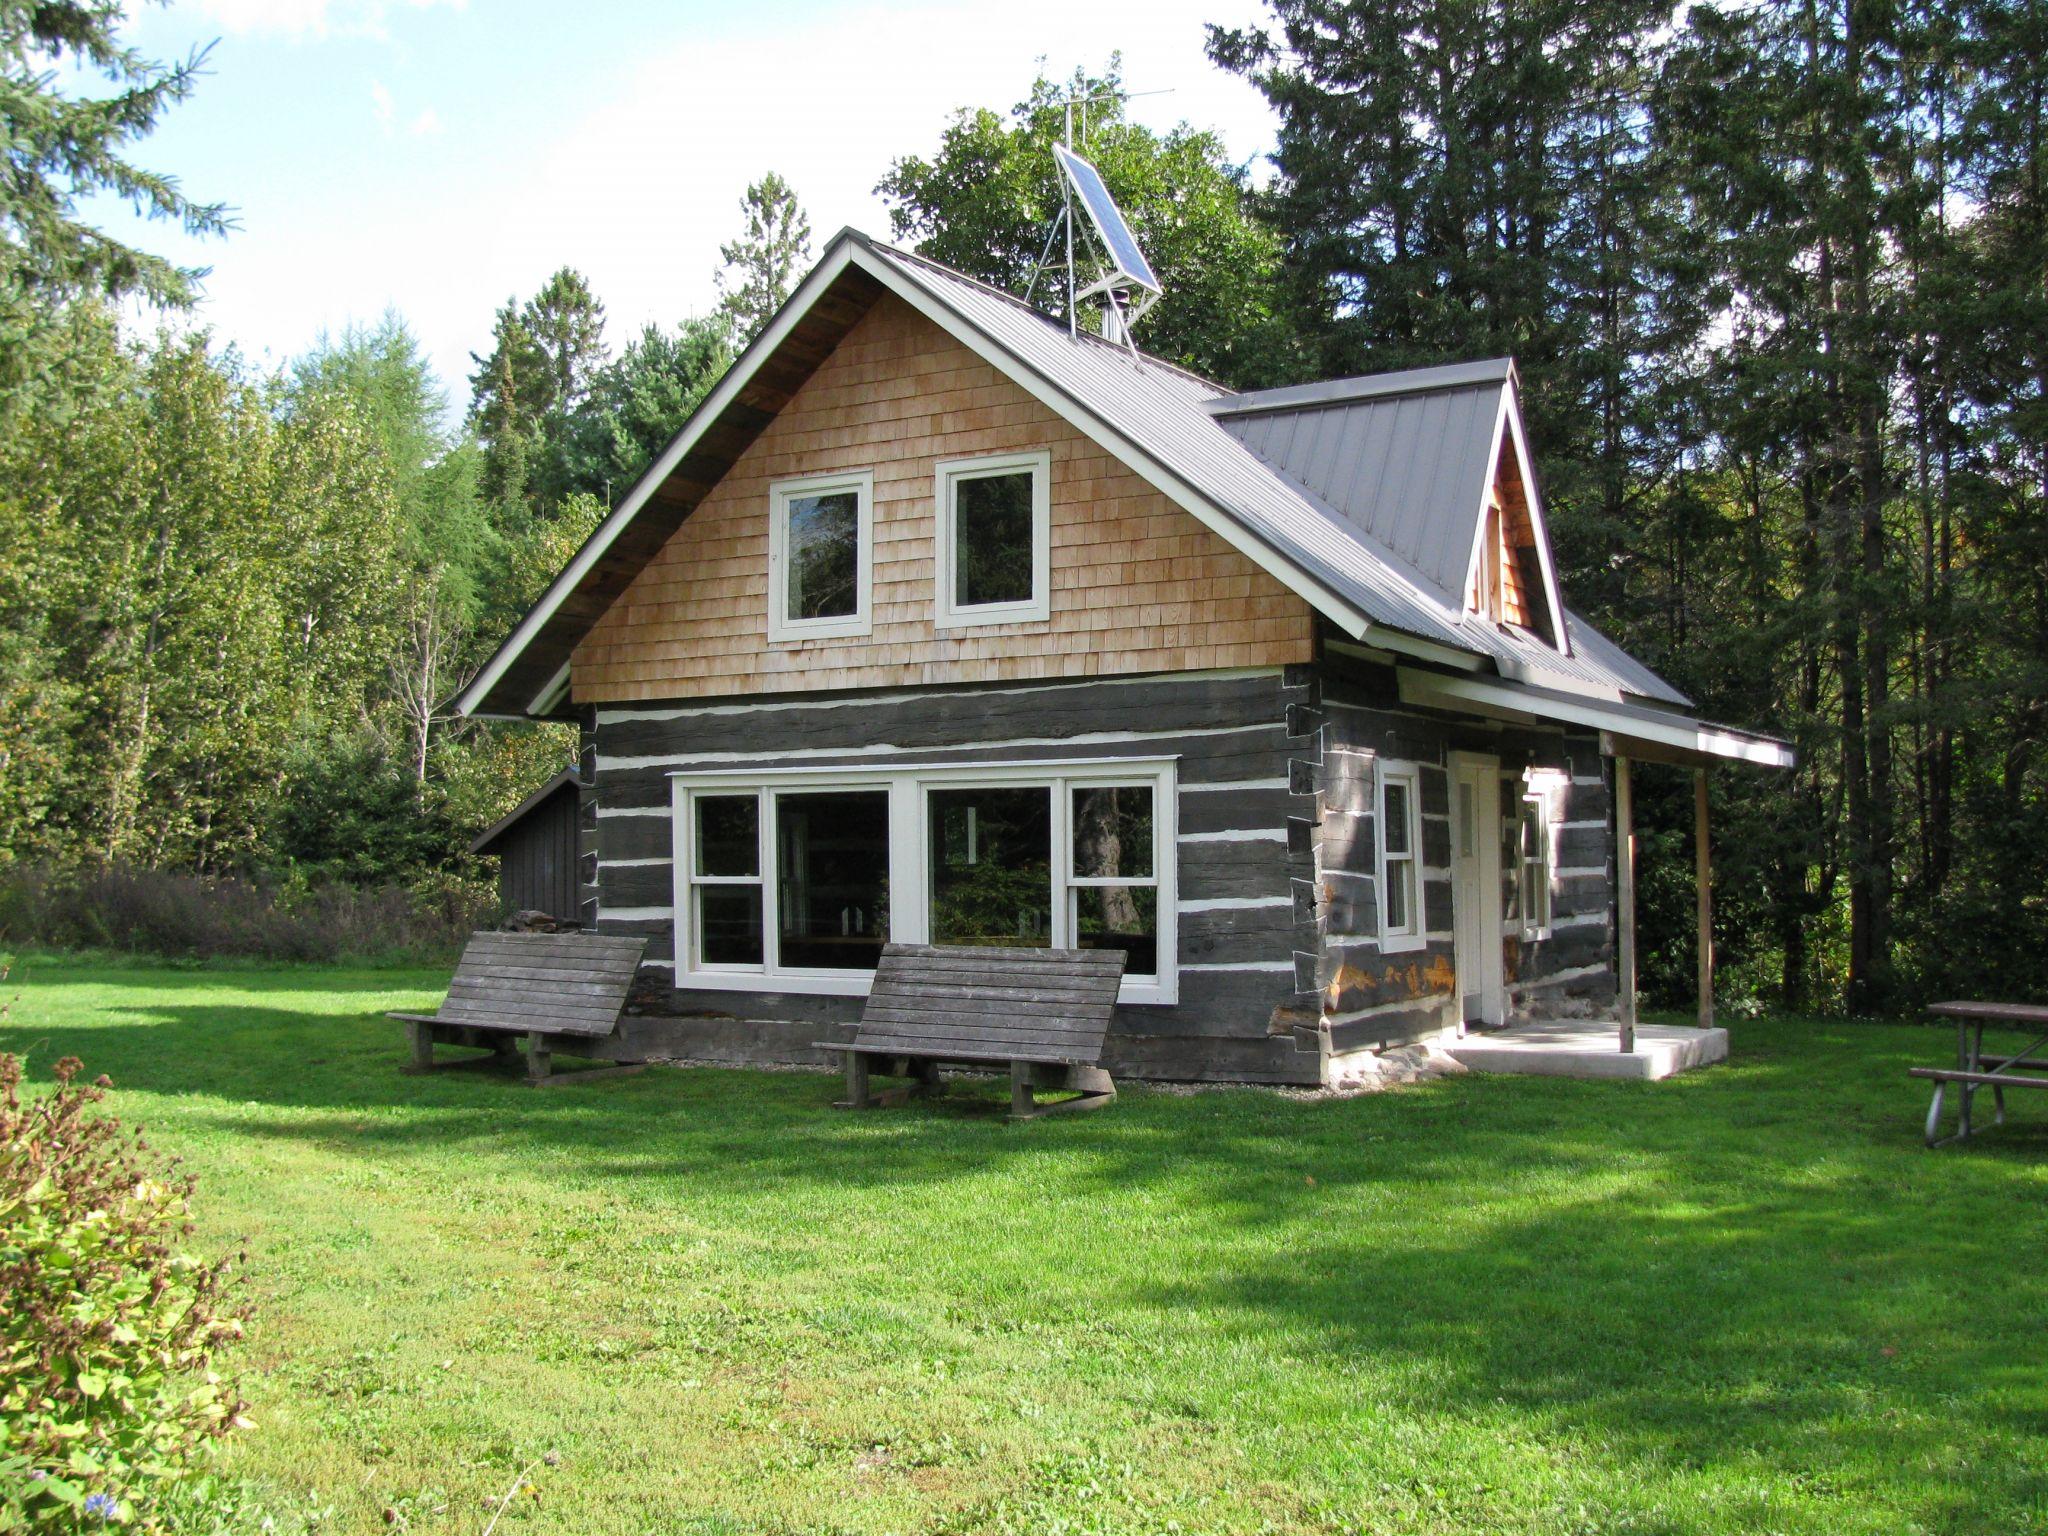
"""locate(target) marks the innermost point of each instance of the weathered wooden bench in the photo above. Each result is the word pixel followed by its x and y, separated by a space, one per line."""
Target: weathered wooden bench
pixel 563 991
pixel 1974 1070
pixel 1040 1012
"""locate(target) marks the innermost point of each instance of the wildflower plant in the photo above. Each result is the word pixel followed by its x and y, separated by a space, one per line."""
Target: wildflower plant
pixel 108 1397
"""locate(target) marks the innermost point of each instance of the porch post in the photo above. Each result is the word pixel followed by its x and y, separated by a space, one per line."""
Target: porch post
pixel 1703 880
pixel 1625 894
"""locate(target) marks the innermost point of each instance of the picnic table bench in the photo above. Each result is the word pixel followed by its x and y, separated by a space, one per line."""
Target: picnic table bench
pixel 1040 1012
pixel 562 991
pixel 1974 1070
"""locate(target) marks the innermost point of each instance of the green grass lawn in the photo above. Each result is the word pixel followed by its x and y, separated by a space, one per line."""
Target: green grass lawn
pixel 1742 1301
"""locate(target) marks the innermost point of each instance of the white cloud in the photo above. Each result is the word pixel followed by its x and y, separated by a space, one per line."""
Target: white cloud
pixel 638 192
pixel 309 18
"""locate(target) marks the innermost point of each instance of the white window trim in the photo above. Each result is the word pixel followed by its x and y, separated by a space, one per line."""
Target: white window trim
pixel 1543 789
pixel 949 473
pixel 909 860
pixel 1414 934
pixel 782 629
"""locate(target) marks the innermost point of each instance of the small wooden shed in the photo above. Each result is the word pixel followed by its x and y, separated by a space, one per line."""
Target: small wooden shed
pixel 535 847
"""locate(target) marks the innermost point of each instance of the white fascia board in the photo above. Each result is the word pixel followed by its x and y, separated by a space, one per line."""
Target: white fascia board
pixel 1172 486
pixel 728 388
pixel 1384 642
pixel 1533 494
pixel 551 694
pixel 1679 732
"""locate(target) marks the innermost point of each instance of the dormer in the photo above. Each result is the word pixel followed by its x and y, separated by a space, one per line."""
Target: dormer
pixel 1431 467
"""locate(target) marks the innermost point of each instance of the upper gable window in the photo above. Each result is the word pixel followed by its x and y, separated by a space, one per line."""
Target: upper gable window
pixel 994 540
pixel 820 546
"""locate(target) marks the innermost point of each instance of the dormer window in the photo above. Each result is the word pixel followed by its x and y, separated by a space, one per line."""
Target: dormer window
pixel 820 545
pixel 994 540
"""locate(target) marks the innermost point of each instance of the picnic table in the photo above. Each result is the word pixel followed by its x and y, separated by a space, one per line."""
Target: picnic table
pixel 1974 1070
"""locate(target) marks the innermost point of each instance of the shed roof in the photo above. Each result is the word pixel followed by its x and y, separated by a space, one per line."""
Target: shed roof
pixel 1355 493
pixel 488 839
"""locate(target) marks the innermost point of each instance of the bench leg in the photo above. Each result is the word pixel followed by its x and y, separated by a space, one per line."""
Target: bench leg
pixel 1022 1105
pixel 540 1059
pixel 926 1072
pixel 420 1037
pixel 856 1081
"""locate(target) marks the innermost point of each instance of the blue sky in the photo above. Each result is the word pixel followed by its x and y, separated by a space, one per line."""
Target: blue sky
pixel 439 156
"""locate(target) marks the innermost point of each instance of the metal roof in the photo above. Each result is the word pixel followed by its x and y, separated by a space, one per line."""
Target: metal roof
pixel 1409 470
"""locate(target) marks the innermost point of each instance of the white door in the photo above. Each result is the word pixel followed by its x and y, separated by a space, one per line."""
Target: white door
pixel 1475 886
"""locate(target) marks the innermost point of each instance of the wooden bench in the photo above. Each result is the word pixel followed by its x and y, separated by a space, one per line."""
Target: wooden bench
pixel 1040 1012
pixel 1974 1070
pixel 563 991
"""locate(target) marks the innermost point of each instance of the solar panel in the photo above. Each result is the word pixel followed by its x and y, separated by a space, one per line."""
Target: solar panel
pixel 1107 218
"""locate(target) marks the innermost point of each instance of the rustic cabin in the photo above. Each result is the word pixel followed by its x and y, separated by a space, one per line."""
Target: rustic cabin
pixel 945 623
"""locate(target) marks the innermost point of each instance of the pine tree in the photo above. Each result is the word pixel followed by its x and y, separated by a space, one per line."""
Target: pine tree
pixel 762 265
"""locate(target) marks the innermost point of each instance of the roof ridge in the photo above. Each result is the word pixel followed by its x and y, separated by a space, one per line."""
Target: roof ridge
pixel 1479 372
pixel 1053 321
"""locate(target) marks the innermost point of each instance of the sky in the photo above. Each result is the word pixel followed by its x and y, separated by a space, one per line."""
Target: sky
pixel 441 156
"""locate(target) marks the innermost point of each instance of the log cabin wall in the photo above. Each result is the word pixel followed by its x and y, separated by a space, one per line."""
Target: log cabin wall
pixel 1138 585
pixel 1370 998
pixel 1244 851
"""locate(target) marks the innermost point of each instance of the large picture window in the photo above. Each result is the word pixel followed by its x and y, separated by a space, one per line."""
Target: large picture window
pixel 820 543
pixel 1400 867
pixel 994 540
pixel 793 882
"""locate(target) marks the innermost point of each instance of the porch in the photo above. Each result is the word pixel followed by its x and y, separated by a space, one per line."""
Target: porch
pixel 1617 1046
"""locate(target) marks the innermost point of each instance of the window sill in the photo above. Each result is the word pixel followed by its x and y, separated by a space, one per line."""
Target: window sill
pixel 841 984
pixel 993 618
pixel 1403 944
pixel 784 634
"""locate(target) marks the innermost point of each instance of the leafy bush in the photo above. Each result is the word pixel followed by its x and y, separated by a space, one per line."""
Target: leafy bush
pixel 108 1399
pixel 167 913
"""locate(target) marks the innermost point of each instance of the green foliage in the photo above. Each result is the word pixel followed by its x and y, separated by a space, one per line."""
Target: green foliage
pixel 107 1392
pixel 763 264
pixel 639 402
pixel 987 199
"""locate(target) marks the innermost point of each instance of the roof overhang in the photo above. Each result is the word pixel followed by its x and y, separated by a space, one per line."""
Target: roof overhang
pixel 485 840
pixel 526 677
pixel 1627 729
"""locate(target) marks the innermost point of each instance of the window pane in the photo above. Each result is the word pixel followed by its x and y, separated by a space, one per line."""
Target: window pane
pixel 824 555
pixel 832 870
pixel 992 539
pixel 1400 875
pixel 1113 832
pixel 1124 917
pixel 1395 803
pixel 729 924
pixel 996 888
pixel 1511 864
pixel 728 835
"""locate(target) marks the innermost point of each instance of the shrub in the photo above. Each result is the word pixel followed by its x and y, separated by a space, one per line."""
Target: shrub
pixel 108 1399
pixel 165 912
